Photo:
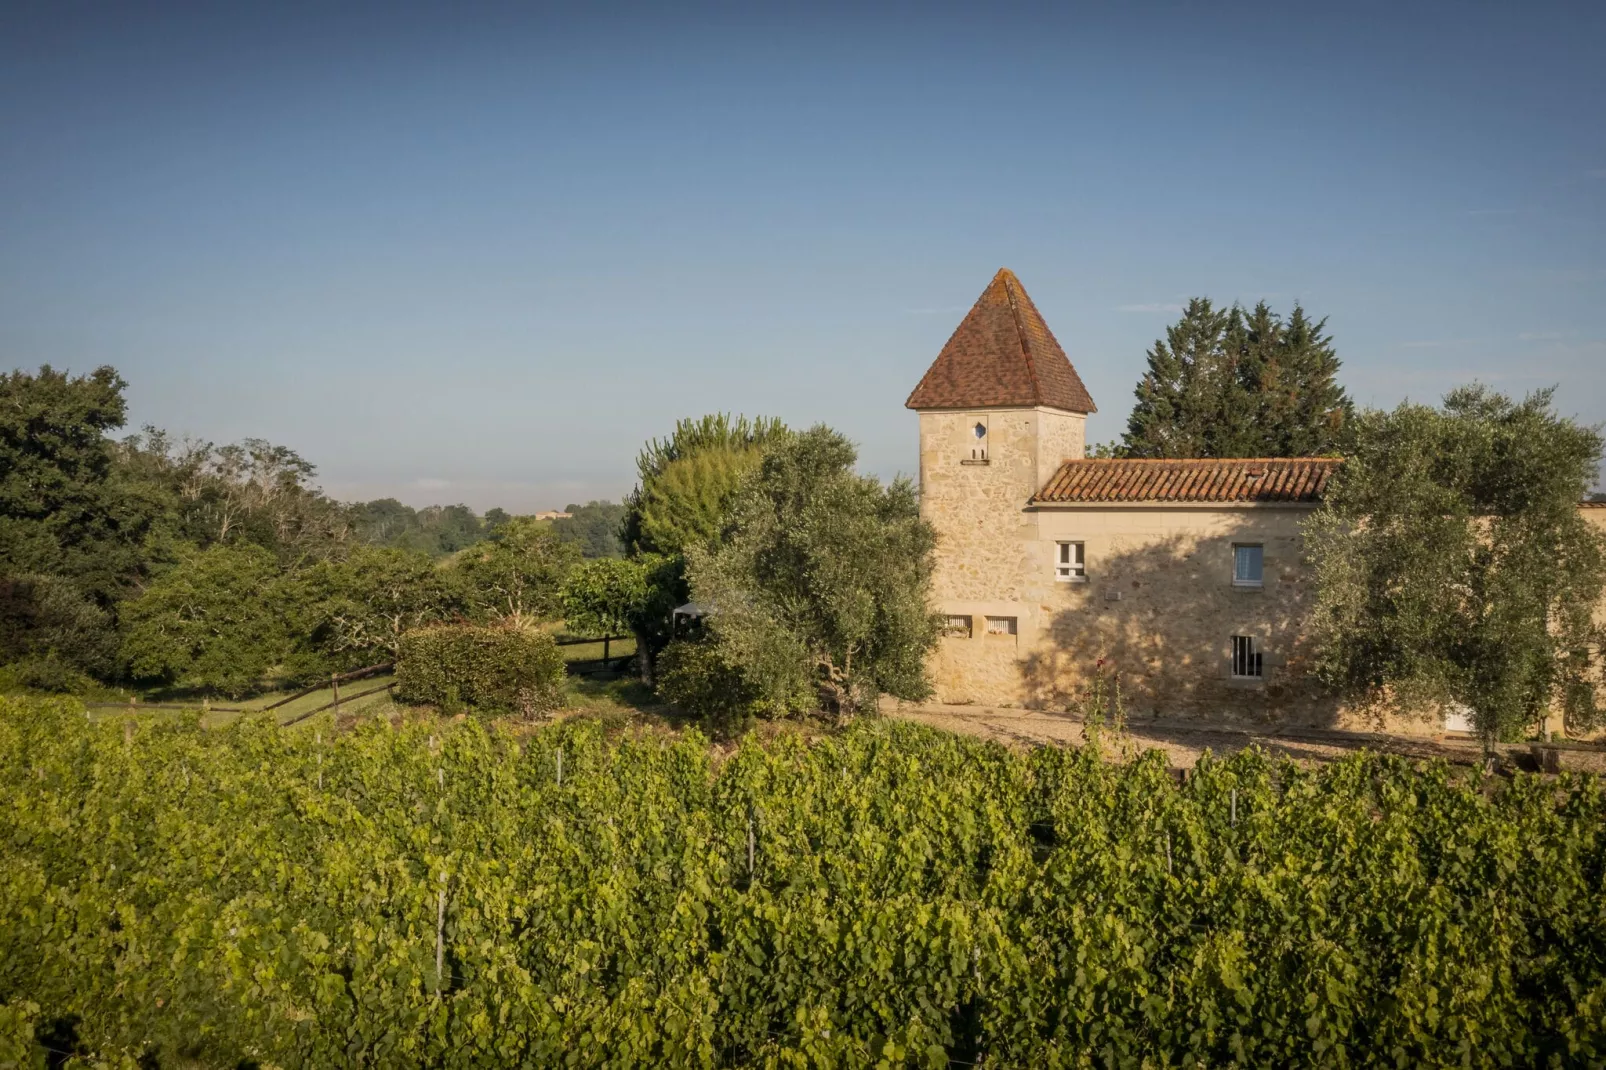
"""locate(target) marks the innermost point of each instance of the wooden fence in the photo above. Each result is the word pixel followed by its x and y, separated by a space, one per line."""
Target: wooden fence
pixel 333 682
pixel 591 666
pixel 580 667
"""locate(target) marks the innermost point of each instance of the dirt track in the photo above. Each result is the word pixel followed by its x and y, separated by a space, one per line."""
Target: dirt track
pixel 1183 743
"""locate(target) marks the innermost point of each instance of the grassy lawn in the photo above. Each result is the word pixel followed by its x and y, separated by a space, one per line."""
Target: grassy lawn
pixel 592 651
pixel 290 710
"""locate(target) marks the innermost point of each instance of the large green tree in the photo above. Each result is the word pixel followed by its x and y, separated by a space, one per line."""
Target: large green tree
pixel 251 491
pixel 364 603
pixel 679 502
pixel 687 503
pixel 221 619
pixel 64 510
pixel 519 576
pixel 819 584
pixel 1226 382
pixel 1453 565
pixel 49 618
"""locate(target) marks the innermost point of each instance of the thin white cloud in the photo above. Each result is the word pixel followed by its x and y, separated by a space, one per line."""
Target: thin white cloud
pixel 1152 306
pixel 1438 343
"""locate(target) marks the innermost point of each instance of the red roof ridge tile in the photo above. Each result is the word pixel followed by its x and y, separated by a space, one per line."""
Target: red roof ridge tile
pixel 1011 284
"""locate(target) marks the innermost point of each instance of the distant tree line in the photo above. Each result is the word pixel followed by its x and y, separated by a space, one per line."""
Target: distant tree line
pixel 443 530
pixel 165 562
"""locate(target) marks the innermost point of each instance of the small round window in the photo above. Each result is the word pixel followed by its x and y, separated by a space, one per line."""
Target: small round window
pixel 981 430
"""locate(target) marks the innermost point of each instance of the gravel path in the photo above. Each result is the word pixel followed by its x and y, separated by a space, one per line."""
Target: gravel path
pixel 1183 743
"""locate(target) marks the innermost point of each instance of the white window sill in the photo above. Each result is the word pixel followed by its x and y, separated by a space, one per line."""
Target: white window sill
pixel 1071 579
pixel 982 461
pixel 1248 585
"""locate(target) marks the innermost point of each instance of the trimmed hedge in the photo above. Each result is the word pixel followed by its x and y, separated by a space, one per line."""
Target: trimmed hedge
pixel 489 669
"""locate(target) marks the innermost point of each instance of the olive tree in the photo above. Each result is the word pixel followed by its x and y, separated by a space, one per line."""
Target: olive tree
pixel 1453 565
pixel 817 589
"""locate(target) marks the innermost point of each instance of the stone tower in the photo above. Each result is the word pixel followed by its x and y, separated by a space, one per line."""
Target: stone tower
pixel 1000 409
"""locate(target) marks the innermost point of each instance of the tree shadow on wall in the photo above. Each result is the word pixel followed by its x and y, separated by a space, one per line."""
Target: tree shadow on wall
pixel 1159 613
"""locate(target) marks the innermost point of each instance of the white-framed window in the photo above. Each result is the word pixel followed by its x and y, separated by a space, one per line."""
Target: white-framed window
pixel 1070 563
pixel 1248 564
pixel 1000 625
pixel 1246 659
pixel 957 627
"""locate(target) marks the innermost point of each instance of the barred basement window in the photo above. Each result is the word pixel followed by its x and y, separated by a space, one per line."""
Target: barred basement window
pixel 1000 625
pixel 1070 566
pixel 1245 658
pixel 957 627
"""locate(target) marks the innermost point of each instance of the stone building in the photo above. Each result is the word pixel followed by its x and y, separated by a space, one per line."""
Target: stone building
pixel 1184 577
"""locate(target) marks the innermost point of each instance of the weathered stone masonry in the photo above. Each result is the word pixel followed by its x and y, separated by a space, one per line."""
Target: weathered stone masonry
pixel 1002 420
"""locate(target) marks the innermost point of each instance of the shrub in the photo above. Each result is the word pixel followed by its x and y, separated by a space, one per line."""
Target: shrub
pixel 50 617
pixel 48 674
pixel 493 669
pixel 695 678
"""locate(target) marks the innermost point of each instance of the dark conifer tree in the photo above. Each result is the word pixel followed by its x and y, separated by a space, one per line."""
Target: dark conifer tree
pixel 1186 376
pixel 1236 383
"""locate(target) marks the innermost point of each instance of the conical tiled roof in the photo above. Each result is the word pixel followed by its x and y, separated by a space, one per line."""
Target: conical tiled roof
pixel 1002 354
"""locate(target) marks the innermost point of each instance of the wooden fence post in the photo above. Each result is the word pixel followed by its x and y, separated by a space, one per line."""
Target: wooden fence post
pixel 334 682
pixel 440 932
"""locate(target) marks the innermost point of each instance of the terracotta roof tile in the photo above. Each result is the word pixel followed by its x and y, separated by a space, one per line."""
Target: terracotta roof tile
pixel 1236 479
pixel 1002 354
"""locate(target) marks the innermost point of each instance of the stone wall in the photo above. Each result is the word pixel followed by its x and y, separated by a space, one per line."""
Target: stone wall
pixel 1158 607
pixel 986 536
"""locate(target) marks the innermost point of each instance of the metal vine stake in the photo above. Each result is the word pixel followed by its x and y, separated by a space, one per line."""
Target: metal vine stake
pixel 749 843
pixel 1168 854
pixel 560 767
pixel 1234 807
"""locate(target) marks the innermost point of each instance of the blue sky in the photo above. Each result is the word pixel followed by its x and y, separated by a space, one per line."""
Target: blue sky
pixel 480 253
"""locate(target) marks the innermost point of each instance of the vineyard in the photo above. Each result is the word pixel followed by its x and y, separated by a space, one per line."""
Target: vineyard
pixel 453 895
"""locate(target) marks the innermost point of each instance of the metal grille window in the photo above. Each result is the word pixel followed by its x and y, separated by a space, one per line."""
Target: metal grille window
pixel 1000 625
pixel 957 627
pixel 1070 566
pixel 1247 564
pixel 1245 658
